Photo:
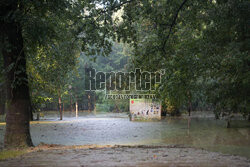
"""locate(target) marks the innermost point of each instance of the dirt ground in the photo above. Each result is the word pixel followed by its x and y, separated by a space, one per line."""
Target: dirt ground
pixel 152 156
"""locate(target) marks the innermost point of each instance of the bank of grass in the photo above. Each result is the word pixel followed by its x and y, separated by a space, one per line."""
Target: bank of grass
pixel 6 154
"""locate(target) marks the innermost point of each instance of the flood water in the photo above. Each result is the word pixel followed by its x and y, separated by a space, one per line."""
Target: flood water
pixel 114 129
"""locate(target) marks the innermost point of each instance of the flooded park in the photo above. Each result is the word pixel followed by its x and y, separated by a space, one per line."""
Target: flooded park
pixel 116 130
pixel 124 83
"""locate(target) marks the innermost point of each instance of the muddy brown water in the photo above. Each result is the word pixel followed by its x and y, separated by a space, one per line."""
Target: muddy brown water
pixel 116 129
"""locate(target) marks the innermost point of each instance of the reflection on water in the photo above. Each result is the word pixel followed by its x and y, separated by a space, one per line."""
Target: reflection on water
pixel 210 134
pixel 117 129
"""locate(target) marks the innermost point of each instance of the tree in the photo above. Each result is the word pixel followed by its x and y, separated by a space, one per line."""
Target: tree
pixel 18 98
pixel 26 26
pixel 162 40
pixel 200 44
pixel 226 40
pixel 116 61
pixel 2 88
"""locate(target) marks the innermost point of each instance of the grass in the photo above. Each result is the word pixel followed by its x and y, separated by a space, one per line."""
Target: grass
pixel 6 154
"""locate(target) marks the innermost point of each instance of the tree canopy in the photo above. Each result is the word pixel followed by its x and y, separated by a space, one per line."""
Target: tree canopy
pixel 203 46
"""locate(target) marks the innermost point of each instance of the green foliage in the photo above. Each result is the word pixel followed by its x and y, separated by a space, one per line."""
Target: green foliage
pixel 116 61
pixel 227 36
pixel 39 102
pixel 202 45
pixel 54 35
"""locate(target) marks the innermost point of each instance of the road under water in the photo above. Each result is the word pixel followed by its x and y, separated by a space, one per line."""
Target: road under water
pixel 116 129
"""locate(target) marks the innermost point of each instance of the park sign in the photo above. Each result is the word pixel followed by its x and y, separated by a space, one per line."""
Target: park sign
pixel 144 109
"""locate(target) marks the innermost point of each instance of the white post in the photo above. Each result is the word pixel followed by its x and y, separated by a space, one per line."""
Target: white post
pixel 76 109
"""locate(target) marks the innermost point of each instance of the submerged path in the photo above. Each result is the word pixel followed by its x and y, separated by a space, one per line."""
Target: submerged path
pixel 151 156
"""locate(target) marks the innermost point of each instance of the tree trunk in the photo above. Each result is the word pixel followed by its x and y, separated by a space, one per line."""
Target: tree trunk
pixel 228 124
pixel 63 108
pixel 2 108
pixel 229 117
pixel 38 116
pixel 189 104
pixel 89 103
pixel 18 98
pixel 2 100
pixel 95 104
pixel 60 107
pixel 31 115
pixel 31 112
pixel 117 107
pixel 71 109
pixel 189 109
